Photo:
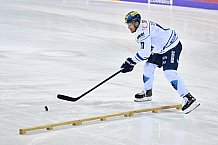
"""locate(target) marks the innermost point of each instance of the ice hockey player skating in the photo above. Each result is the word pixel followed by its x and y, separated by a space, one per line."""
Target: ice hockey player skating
pixel 159 47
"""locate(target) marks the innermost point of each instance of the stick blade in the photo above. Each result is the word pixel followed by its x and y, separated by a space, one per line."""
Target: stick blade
pixel 67 98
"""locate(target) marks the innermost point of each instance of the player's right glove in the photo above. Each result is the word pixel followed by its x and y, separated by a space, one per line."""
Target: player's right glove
pixel 128 65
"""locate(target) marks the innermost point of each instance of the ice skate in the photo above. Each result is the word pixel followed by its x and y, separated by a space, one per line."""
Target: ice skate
pixel 143 97
pixel 189 103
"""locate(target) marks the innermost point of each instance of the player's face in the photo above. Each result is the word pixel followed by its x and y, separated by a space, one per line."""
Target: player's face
pixel 131 27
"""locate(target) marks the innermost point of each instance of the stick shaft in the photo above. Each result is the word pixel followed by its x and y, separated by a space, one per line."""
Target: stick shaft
pixel 68 98
pixel 100 83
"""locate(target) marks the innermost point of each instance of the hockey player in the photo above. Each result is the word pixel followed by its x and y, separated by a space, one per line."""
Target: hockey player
pixel 159 47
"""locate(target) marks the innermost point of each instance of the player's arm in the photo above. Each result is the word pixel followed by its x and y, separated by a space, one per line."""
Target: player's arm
pixel 144 50
pixel 143 54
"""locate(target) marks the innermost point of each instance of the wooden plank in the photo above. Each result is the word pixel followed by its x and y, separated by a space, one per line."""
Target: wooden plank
pixel 102 118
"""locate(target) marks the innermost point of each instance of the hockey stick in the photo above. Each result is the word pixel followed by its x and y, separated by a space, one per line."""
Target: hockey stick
pixel 68 98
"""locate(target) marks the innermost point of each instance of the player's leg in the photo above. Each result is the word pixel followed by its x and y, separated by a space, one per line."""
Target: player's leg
pixel 148 78
pixel 170 65
pixel 176 81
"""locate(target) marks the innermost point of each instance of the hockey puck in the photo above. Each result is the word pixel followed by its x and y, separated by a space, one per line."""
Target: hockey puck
pixel 46 108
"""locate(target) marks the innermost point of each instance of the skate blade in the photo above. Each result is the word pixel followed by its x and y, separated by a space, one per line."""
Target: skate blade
pixel 143 100
pixel 192 107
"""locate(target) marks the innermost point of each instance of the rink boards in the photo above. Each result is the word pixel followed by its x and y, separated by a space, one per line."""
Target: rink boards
pixel 101 118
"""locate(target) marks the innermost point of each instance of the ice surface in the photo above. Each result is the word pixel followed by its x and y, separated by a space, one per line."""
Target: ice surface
pixel 67 46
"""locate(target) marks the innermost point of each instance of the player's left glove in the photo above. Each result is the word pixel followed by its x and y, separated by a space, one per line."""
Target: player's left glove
pixel 128 65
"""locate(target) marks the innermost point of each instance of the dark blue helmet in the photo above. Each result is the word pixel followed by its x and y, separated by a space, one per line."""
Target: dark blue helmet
pixel 133 17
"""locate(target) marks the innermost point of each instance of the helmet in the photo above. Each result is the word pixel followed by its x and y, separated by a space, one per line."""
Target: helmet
pixel 132 16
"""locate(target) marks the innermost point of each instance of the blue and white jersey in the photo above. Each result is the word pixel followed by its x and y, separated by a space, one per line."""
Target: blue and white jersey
pixel 153 38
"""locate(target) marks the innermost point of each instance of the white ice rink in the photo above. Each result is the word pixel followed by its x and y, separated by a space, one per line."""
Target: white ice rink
pixel 68 46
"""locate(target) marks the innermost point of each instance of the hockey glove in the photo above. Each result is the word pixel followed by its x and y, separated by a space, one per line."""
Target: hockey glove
pixel 128 65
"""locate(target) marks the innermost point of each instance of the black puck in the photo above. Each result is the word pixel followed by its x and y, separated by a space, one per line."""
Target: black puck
pixel 46 108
